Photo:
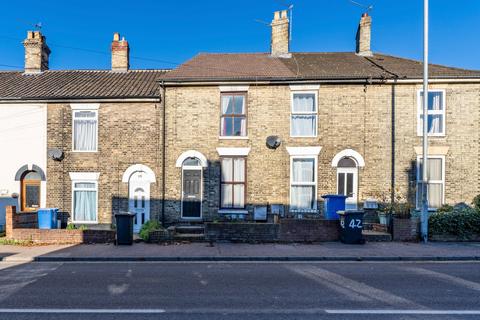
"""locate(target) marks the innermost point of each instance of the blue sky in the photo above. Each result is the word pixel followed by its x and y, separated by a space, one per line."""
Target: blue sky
pixel 162 33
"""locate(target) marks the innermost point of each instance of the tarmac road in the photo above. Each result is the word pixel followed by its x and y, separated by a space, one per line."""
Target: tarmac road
pixel 216 290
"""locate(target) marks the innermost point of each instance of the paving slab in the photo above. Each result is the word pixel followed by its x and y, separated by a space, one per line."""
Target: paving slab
pixel 331 251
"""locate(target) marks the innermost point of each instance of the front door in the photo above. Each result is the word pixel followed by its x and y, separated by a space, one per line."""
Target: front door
pixel 347 184
pixel 139 199
pixel 192 194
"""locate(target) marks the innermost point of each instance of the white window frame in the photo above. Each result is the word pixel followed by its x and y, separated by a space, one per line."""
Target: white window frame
pixel 95 182
pixel 419 179
pixel 431 112
pixel 314 183
pixel 84 107
pixel 234 92
pixel 315 113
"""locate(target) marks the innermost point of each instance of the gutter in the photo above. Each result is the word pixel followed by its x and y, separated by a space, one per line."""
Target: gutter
pixel 76 100
pixel 164 157
pixel 392 80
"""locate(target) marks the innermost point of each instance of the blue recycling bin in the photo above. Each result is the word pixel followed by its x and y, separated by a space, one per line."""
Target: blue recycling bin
pixel 333 203
pixel 47 218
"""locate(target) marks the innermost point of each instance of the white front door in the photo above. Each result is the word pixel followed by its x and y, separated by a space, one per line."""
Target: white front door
pixel 347 184
pixel 139 199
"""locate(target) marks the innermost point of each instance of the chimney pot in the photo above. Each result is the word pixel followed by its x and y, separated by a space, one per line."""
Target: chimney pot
pixel 276 15
pixel 120 53
pixel 37 52
pixel 364 34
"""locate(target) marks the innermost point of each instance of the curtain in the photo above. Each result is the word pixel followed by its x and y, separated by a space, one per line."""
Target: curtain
pixel 85 203
pixel 227 104
pixel 226 200
pixel 435 183
pixel 435 104
pixel 85 131
pixel 239 195
pixel 239 170
pixel 434 169
pixel 302 197
pixel 435 195
pixel 303 170
pixel 227 165
pixel 303 102
pixel 239 105
pixel 303 125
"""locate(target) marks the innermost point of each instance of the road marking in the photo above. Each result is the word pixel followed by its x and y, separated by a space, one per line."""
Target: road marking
pixel 94 311
pixel 394 311
pixel 352 288
pixel 446 277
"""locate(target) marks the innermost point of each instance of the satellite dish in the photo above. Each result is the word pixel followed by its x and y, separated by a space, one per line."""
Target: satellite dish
pixel 56 154
pixel 273 142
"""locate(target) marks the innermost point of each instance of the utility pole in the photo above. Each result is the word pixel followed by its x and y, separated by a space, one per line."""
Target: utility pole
pixel 424 217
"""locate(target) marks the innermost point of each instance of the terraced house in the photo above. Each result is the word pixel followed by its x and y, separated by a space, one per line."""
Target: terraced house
pixel 284 128
pixel 233 134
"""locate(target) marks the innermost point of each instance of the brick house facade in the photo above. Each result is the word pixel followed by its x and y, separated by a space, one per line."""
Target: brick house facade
pixel 225 134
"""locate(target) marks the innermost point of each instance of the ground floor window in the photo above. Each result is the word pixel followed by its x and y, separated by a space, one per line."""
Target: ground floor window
pixel 436 181
pixel 303 184
pixel 85 201
pixel 232 193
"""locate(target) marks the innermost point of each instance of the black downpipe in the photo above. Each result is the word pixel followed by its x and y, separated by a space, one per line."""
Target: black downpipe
pixel 164 130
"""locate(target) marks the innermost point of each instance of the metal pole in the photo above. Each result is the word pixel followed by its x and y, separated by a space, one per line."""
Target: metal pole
pixel 424 218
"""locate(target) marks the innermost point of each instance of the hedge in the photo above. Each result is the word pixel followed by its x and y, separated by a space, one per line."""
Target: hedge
pixel 462 222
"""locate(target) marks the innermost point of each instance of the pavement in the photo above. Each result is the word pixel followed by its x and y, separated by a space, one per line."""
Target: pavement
pixel 241 290
pixel 328 251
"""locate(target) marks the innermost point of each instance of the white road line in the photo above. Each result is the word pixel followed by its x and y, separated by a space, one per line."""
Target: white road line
pixel 414 312
pixel 446 277
pixel 94 311
pixel 343 284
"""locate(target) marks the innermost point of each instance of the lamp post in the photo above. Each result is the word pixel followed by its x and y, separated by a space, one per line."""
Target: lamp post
pixel 424 217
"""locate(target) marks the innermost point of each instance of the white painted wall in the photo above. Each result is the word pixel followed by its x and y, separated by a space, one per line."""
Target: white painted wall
pixel 23 140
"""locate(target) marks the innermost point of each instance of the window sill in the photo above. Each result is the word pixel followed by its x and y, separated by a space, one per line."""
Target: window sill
pixel 84 222
pixel 443 135
pixel 308 137
pixel 78 151
pixel 233 211
pixel 232 138
pixel 314 211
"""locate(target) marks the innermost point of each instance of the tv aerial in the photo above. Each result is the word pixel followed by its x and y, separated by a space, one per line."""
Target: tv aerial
pixel 361 5
pixel 289 7
pixel 38 26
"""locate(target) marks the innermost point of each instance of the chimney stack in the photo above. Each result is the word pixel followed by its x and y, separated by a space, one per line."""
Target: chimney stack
pixel 280 42
pixel 36 52
pixel 364 34
pixel 120 54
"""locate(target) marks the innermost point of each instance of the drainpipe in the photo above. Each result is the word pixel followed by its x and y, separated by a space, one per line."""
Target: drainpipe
pixel 164 134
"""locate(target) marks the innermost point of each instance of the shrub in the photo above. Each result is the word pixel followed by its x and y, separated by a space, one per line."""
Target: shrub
pixel 147 227
pixel 71 226
pixel 462 222
pixel 476 202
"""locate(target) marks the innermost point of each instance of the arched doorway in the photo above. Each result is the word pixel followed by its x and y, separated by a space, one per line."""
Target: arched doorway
pixel 139 178
pixel 192 188
pixel 30 182
pixel 347 181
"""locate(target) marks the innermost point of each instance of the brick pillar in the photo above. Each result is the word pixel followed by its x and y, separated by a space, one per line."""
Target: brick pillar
pixel 10 212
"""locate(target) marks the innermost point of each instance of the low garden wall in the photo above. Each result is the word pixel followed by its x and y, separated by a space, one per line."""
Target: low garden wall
pixel 287 230
pixel 406 229
pixel 22 226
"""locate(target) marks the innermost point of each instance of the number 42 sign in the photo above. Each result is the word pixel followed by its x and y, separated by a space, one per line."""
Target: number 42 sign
pixel 354 223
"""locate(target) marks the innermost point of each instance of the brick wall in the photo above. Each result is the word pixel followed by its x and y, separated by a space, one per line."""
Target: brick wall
pixel 288 230
pixel 24 227
pixel 406 229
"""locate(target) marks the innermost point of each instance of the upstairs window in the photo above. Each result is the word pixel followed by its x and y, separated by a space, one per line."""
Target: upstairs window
pixel 85 130
pixel 436 113
pixel 304 114
pixel 233 119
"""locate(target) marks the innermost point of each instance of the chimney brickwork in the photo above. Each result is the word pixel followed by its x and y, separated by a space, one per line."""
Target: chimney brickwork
pixel 36 52
pixel 120 54
pixel 364 34
pixel 280 42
